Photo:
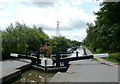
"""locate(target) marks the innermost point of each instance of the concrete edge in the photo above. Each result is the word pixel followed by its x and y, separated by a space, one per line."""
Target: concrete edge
pixel 11 77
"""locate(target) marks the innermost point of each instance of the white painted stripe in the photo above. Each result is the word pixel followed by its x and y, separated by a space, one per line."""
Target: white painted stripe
pixel 101 55
pixel 14 55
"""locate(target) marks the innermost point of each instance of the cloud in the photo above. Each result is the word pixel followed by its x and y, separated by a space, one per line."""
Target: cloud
pixel 77 34
pixel 77 24
pixel 46 14
pixel 2 9
pixel 76 2
pixel 43 4
pixel 95 10
pixel 73 25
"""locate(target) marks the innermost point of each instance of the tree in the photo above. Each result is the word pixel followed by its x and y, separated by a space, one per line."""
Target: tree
pixel 104 34
pixel 18 38
pixel 60 44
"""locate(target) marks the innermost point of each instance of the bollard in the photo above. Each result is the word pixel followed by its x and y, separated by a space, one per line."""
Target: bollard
pixel 76 53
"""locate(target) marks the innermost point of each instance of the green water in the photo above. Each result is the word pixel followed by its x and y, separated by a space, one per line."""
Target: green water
pixel 35 76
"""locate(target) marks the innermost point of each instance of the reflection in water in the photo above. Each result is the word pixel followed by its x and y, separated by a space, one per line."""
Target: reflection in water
pixel 35 76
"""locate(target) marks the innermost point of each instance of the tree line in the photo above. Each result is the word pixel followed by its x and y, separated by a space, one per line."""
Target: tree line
pixel 19 38
pixel 105 34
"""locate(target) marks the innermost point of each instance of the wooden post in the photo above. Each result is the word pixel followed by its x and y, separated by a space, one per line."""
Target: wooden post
pixel 38 58
pixel 76 53
pixel 33 61
pixel 26 53
pixel 58 59
pixel 45 65
pixel 66 63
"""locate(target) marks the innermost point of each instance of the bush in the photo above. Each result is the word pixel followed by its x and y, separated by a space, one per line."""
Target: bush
pixel 53 58
pixel 115 56
pixel 41 56
pixel 19 37
pixel 98 51
pixel 46 50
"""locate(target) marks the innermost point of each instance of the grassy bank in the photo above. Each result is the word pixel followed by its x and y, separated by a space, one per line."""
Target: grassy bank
pixel 113 57
pixel 84 50
pixel 98 51
pixel 94 59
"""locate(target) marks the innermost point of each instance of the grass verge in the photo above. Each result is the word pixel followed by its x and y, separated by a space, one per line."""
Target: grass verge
pixel 94 59
pixel 113 57
pixel 110 60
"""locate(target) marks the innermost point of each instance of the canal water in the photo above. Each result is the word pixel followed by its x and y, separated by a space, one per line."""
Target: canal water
pixel 35 76
pixel 80 51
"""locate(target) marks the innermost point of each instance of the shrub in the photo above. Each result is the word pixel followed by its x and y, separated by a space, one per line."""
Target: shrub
pixel 46 50
pixel 115 56
pixel 41 56
pixel 53 58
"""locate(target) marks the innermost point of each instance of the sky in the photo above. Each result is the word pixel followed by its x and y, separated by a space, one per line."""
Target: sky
pixel 73 15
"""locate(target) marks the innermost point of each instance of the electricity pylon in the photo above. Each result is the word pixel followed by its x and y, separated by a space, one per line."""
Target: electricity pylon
pixel 57 29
